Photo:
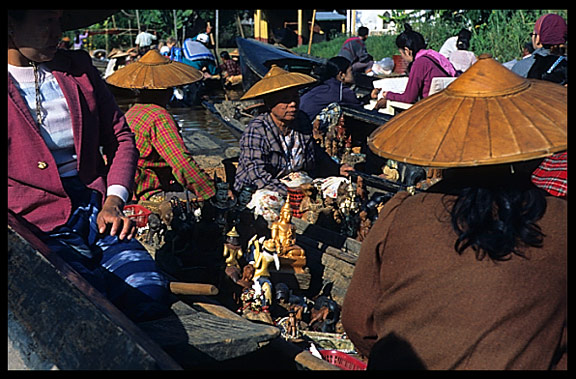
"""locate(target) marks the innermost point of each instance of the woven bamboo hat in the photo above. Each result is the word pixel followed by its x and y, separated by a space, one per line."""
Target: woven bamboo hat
pixel 154 71
pixel 275 80
pixel 489 115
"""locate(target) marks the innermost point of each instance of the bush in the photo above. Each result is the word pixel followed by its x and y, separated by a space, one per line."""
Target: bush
pixel 378 46
pixel 501 32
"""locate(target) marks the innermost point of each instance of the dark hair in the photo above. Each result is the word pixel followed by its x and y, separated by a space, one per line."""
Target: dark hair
pixel 495 212
pixel 529 47
pixel 410 39
pixel 363 31
pixel 342 63
pixel 463 42
pixel 225 55
pixel 330 68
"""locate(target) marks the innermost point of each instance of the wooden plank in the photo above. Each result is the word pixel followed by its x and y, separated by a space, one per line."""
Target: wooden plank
pixel 196 339
pixel 58 320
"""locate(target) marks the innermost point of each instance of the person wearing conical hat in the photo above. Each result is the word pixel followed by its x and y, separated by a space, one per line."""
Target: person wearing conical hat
pixel 279 141
pixel 165 164
pixel 472 273
pixel 63 196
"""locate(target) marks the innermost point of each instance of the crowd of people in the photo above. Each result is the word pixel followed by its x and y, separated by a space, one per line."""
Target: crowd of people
pixel 470 274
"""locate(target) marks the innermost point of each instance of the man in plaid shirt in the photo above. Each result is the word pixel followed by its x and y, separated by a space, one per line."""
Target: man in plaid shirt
pixel 165 163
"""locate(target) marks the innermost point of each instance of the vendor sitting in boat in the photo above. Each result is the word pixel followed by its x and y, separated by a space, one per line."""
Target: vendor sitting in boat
pixel 280 141
pixel 165 166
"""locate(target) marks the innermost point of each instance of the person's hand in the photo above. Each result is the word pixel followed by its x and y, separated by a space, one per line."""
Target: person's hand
pixel 345 169
pixel 112 215
pixel 381 103
pixel 374 93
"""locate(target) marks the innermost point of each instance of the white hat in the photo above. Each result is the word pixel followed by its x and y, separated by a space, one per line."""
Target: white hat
pixel 202 37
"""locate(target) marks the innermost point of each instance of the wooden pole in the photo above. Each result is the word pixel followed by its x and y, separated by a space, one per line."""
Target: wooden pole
pixel 181 288
pixel 299 27
pixel 239 23
pixel 175 27
pixel 311 32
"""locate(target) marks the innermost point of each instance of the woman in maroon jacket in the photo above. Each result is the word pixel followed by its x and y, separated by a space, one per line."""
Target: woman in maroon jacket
pixel 60 114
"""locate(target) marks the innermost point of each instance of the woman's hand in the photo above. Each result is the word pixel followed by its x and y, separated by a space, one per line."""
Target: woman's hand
pixel 381 103
pixel 112 214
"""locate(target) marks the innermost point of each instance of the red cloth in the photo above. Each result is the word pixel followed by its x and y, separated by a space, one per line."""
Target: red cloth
pixel 552 174
pixel 35 191
pixel 551 28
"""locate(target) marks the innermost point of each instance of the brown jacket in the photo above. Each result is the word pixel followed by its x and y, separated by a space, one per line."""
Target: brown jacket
pixel 451 310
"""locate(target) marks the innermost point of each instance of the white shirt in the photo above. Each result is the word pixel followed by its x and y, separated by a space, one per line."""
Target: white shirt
pixel 144 39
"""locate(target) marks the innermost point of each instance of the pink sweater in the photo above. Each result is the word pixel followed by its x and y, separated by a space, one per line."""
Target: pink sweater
pixel 421 74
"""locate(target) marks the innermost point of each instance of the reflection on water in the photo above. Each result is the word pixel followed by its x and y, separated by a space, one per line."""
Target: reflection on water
pixel 199 118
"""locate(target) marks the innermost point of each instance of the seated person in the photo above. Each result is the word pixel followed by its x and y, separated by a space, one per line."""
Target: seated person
pixel 280 141
pixel 335 78
pixel 424 65
pixel 165 164
pixel 354 49
pixel 230 70
pixel 62 196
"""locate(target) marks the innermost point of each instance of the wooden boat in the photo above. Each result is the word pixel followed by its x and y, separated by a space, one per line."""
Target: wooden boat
pixel 56 320
pixel 256 58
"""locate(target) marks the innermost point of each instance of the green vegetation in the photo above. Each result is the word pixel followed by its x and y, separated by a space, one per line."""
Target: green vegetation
pixel 501 32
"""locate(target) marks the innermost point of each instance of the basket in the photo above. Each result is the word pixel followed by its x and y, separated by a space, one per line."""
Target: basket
pixel 342 360
pixel 138 214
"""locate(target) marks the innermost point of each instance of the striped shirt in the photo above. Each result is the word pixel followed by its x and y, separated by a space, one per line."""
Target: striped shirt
pixel 163 154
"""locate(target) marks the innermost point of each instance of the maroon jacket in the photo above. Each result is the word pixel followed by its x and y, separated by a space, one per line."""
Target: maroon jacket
pixel 35 191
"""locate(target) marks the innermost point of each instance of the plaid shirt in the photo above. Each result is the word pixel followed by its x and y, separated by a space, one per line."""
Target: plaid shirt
pixel 552 174
pixel 263 160
pixel 231 67
pixel 161 148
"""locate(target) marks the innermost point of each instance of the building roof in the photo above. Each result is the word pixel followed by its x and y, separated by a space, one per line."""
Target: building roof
pixel 330 16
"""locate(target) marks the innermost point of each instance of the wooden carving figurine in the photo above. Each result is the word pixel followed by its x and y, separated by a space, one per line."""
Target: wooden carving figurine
pixel 283 234
pixel 232 252
pixel 263 256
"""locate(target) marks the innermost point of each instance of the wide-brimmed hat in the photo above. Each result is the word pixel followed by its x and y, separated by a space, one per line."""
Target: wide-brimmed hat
pixel 154 71
pixel 277 79
pixel 117 53
pixel 489 115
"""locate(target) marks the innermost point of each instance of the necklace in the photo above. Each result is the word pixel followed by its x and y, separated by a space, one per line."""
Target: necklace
pixel 39 118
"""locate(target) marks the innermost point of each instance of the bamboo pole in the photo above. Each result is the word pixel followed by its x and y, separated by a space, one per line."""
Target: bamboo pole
pixel 311 32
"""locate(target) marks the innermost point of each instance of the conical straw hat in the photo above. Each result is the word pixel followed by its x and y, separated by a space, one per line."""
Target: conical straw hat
pixel 275 80
pixel 489 115
pixel 154 71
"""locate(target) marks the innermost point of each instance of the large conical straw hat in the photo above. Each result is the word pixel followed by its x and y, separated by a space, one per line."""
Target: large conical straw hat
pixel 489 115
pixel 275 80
pixel 154 71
